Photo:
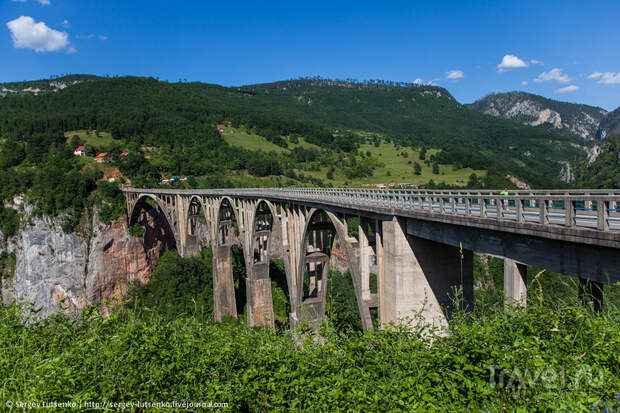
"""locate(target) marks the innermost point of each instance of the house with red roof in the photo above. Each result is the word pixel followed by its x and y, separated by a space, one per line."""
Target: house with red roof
pixel 79 151
pixel 101 158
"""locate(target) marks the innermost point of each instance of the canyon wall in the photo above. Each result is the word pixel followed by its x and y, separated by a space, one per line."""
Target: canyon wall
pixel 55 271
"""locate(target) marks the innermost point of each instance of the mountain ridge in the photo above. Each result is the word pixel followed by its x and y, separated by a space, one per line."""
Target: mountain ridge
pixel 571 119
pixel 610 125
pixel 322 111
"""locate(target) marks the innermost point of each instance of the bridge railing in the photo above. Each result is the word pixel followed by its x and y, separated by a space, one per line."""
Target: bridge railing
pixel 593 209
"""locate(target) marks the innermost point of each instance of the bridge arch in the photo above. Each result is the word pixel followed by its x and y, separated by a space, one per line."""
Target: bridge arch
pixel 264 223
pixel 197 226
pixel 322 228
pixel 140 204
pixel 224 220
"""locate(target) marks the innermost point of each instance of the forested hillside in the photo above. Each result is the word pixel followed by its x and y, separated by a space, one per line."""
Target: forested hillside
pixel 182 117
pixel 604 171
pixel 414 115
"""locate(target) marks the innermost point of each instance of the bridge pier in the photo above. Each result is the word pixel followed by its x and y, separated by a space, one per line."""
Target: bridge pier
pixel 515 279
pixel 420 277
pixel 259 297
pixel 293 221
pixel 223 284
pixel 365 298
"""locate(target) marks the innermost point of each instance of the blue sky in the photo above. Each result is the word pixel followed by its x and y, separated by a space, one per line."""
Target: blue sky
pixel 565 50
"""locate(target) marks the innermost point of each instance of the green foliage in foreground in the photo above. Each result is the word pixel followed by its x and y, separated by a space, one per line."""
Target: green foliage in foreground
pixel 162 345
pixel 134 355
pixel 179 286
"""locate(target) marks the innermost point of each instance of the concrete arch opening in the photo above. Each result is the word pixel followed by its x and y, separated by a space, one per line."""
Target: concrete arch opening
pixel 197 228
pixel 227 223
pixel 318 241
pixel 227 296
pixel 267 288
pixel 158 233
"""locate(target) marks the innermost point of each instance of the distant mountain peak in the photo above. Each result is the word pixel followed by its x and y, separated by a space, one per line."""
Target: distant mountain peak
pixel 571 119
pixel 36 87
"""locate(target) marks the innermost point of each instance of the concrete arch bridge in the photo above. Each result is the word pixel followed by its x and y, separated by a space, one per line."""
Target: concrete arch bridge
pixel 419 243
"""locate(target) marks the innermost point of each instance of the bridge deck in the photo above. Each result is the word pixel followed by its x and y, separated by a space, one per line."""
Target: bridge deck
pixel 582 216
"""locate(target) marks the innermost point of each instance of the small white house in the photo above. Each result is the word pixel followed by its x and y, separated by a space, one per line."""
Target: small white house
pixel 79 151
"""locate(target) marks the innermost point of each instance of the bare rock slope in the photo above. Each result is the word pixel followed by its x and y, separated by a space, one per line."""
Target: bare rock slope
pixel 56 272
pixel 581 121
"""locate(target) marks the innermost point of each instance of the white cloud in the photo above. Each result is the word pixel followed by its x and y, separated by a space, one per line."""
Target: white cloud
pixel 103 37
pixel 524 82
pixel 27 34
pixel 610 78
pixel 454 74
pixel 567 89
pixel 536 62
pixel 71 50
pixel 607 78
pixel 510 62
pixel 65 23
pixel 43 2
pixel 554 74
pixel 418 81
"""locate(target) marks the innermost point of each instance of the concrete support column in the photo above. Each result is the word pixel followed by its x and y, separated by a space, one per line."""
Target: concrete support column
pixel 223 284
pixel 364 258
pixel 293 222
pixel 421 277
pixel 591 292
pixel 515 279
pixel 260 301
pixel 181 217
pixel 380 269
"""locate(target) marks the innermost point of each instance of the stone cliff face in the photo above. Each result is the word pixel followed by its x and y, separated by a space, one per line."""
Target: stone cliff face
pixel 117 259
pixel 574 120
pixel 55 271
pixel 50 267
pixel 610 125
pixel 566 174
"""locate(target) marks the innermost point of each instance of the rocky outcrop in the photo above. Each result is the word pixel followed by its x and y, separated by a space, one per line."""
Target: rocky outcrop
pixel 609 126
pixel 49 268
pixel 115 260
pixel 55 271
pixel 570 119
pixel 566 174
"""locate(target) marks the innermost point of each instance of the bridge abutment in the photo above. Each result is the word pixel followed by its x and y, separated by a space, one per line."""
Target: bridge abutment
pixel 422 280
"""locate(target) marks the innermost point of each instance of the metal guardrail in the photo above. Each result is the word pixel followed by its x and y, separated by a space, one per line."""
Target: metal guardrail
pixel 587 209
